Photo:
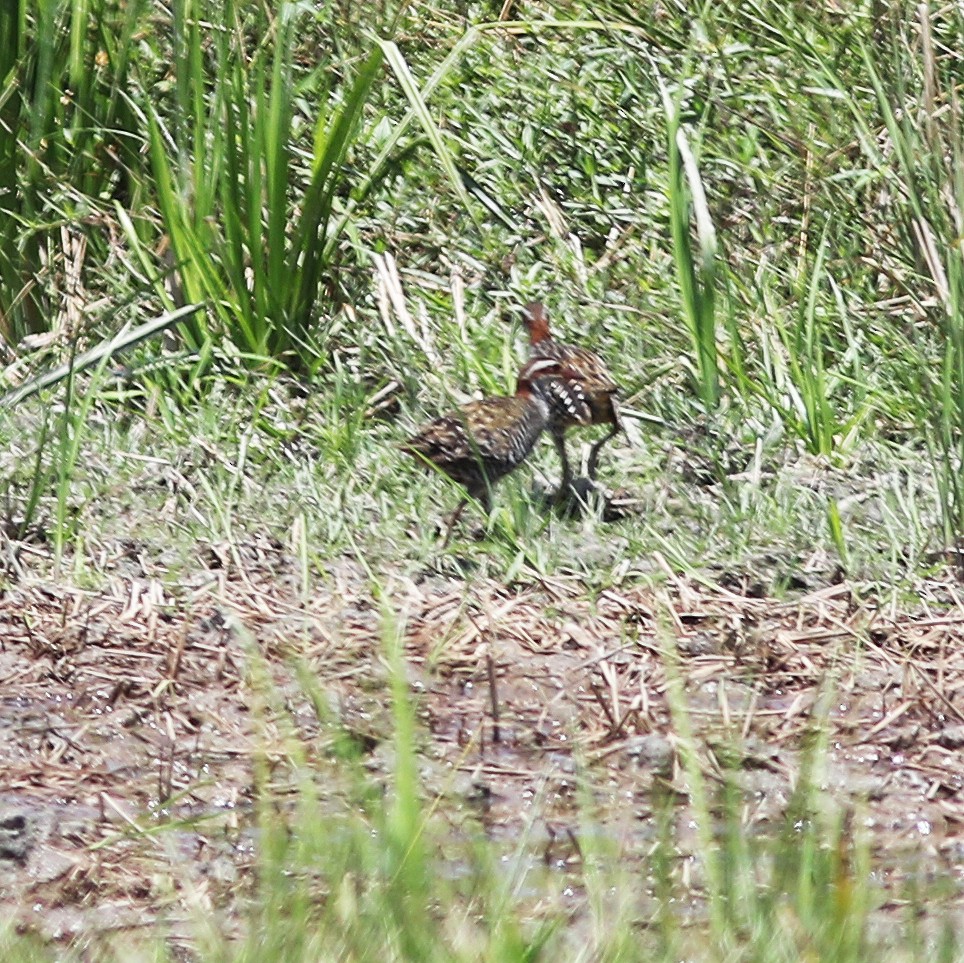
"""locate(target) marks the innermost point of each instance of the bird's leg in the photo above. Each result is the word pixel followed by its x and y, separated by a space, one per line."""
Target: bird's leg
pixel 482 494
pixel 456 515
pixel 559 440
pixel 594 452
pixel 485 499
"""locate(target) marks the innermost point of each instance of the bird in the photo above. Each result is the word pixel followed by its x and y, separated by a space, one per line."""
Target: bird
pixel 583 392
pixel 484 440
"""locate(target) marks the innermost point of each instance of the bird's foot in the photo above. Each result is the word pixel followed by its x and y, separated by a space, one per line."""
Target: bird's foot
pixel 582 488
pixel 464 533
pixel 582 496
pixel 578 496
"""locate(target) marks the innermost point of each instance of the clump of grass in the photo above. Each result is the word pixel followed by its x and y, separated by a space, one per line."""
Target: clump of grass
pixel 927 151
pixel 68 140
pixel 226 169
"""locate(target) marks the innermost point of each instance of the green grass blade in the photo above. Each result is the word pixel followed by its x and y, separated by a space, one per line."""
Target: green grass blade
pixel 410 88
pixel 696 277
pixel 314 242
pixel 121 342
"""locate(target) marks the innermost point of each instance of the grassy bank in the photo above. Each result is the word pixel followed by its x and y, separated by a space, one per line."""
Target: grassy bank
pixel 752 212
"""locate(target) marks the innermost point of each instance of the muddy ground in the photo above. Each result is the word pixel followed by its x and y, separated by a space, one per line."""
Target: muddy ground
pixel 130 710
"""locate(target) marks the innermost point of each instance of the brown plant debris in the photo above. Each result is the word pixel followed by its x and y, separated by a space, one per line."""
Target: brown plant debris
pixel 127 709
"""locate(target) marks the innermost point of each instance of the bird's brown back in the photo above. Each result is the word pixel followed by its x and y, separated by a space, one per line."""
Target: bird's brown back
pixel 483 440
